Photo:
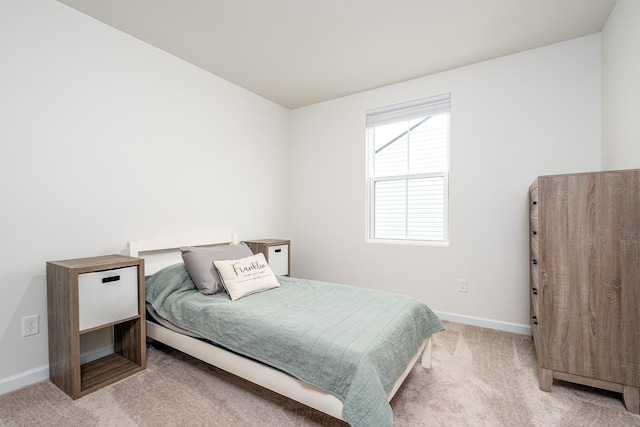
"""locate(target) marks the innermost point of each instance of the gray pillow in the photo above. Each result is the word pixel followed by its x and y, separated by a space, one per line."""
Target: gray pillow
pixel 199 263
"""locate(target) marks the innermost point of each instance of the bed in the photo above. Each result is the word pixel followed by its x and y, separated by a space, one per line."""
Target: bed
pixel 349 393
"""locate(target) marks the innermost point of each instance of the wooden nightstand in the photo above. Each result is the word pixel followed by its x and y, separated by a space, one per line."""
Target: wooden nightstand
pixel 277 253
pixel 87 294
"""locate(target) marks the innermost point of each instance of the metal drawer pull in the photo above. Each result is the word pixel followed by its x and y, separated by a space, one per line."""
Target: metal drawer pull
pixel 110 279
pixel 278 250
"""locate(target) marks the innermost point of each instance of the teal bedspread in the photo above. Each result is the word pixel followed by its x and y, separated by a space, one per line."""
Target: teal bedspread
pixel 352 342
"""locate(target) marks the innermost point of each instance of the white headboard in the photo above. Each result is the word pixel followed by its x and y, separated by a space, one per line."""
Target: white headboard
pixel 162 251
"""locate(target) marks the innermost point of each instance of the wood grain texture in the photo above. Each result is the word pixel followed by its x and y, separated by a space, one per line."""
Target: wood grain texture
pixel 64 346
pixel 262 246
pixel 106 370
pixel 631 399
pixel 533 267
pixel 587 244
pixel 64 334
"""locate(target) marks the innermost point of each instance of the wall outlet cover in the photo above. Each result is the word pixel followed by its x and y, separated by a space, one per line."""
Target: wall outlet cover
pixel 30 325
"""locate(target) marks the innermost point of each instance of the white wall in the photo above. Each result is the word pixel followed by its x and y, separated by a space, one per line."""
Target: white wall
pixel 621 87
pixel 512 119
pixel 105 139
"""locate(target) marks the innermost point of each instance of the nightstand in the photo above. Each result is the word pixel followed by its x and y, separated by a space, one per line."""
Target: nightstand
pixel 88 294
pixel 275 251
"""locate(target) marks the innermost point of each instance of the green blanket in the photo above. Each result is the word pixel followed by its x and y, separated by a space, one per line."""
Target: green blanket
pixel 349 341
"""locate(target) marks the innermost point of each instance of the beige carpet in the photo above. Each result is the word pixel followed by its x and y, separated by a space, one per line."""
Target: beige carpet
pixel 479 377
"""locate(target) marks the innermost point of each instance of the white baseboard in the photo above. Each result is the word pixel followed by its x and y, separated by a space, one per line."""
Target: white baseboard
pixel 24 379
pixel 36 375
pixel 485 323
pixel 96 354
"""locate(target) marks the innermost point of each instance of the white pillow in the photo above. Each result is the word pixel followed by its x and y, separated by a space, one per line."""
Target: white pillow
pixel 246 276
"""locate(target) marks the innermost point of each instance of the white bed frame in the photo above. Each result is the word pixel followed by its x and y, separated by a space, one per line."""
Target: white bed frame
pixel 163 251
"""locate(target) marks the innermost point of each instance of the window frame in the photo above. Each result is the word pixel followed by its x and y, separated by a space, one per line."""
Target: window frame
pixel 371 188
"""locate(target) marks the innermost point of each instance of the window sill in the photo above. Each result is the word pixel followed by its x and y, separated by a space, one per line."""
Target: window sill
pixel 408 242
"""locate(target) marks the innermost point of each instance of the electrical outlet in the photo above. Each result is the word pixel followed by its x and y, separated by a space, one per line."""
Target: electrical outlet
pixel 30 325
pixel 463 285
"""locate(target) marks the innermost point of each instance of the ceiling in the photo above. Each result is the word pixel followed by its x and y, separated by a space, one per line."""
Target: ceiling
pixel 298 52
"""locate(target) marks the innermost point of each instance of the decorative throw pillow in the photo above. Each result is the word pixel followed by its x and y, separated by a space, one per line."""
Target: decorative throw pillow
pixel 246 276
pixel 199 263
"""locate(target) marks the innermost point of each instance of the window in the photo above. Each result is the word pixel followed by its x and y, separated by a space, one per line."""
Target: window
pixel 408 171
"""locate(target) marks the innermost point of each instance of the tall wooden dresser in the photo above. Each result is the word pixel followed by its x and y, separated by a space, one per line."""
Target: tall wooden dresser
pixel 585 280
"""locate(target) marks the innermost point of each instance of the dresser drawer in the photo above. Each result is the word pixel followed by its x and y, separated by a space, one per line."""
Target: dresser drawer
pixel 279 259
pixel 533 203
pixel 107 296
pixel 534 279
pixel 533 244
pixel 533 248
pixel 535 332
pixel 533 229
pixel 533 263
pixel 534 307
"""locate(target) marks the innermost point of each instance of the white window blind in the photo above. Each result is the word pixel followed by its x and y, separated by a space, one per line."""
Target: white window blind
pixel 408 150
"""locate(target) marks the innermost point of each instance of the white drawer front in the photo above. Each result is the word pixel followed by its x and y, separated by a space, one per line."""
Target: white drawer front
pixel 279 259
pixel 107 296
